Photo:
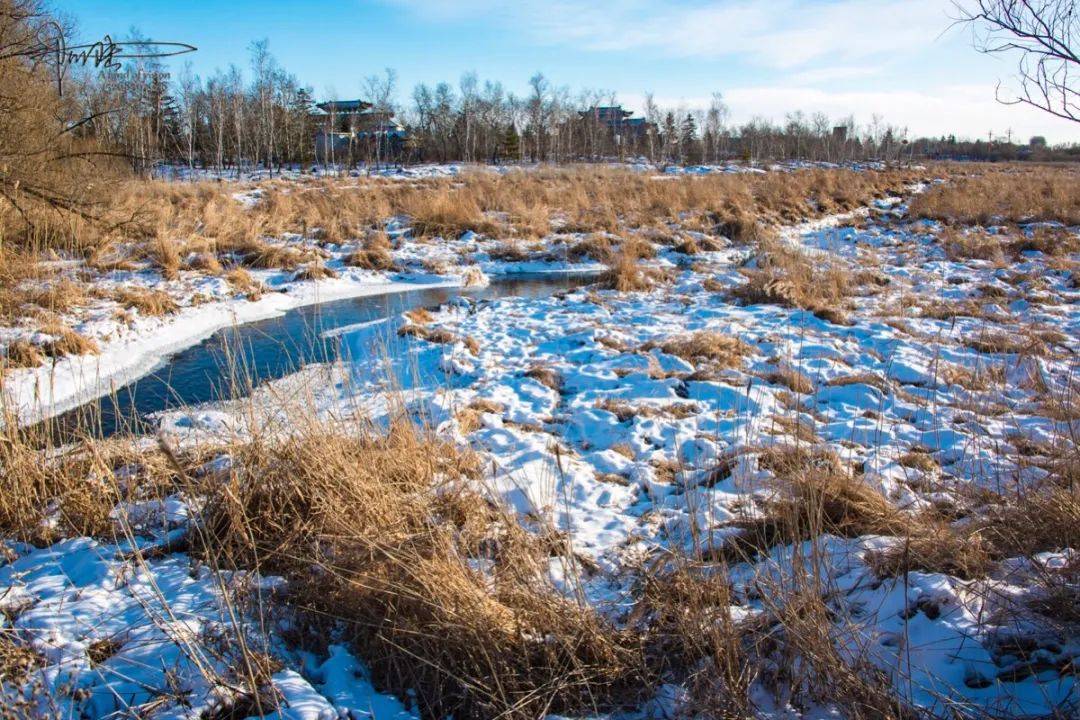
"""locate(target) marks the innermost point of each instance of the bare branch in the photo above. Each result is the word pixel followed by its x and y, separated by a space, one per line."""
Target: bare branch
pixel 1043 35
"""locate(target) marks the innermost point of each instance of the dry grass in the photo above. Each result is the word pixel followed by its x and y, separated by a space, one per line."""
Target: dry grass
pixel 204 262
pixel 509 251
pixel 419 316
pixel 626 274
pixel 935 548
pixel 245 283
pixel 786 276
pixel 469 418
pixel 446 213
pixel 691 634
pixel 1001 342
pixel 722 350
pixel 439 336
pixel 1052 241
pixel 60 296
pixel 1008 528
pixel 979 244
pixel 546 376
pixel 65 341
pixel 814 494
pixel 792 379
pixel 22 354
pixel 269 256
pixel 392 531
pixel 596 247
pixel 154 303
pixel 982 377
pixel 1008 194
pixel 314 271
pixel 972 244
pixel 374 255
pixel 445 596
pixel 163 217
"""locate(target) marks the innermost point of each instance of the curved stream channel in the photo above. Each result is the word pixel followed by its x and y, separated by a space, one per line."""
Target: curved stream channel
pixel 273 348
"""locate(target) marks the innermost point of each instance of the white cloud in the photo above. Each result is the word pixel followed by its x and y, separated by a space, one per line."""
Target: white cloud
pixel 890 55
pixel 779 34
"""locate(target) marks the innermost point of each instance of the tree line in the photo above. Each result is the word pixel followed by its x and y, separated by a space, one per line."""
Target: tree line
pixel 265 117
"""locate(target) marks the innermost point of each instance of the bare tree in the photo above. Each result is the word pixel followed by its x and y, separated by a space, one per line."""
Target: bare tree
pixel 1043 35
pixel 380 89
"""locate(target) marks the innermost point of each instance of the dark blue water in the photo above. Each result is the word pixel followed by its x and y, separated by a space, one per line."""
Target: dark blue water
pixel 233 361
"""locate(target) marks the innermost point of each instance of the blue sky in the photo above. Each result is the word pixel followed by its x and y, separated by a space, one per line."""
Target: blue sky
pixel 895 58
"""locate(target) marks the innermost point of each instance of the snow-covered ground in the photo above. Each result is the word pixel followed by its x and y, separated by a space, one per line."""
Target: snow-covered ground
pixel 586 421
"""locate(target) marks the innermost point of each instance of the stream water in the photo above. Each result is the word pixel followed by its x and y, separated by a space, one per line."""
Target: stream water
pixel 235 359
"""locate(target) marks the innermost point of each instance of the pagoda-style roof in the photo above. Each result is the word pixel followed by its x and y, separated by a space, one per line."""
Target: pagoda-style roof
pixel 344 106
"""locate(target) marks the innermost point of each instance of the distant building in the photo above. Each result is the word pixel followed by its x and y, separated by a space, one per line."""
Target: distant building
pixel 617 119
pixel 347 129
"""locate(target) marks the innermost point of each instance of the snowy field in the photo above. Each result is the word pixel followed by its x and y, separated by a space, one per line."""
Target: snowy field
pixel 643 426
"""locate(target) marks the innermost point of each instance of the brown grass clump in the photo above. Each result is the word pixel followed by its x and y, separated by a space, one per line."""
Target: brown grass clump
pixel 1052 241
pixel 595 247
pixel 66 341
pixel 723 350
pixel 22 354
pixel 740 226
pixel 1009 195
pixel 546 376
pixel 626 274
pixel 74 488
pixel 395 537
pixel 788 277
pixel 436 335
pixel 919 459
pixel 815 494
pixel 440 336
pixel 1000 342
pixel 972 244
pixel 935 548
pixel 268 256
pixel 509 251
pixel 447 213
pixel 983 377
pixel 17 661
pixel 638 247
pixel 204 262
pixel 468 419
pixel 792 379
pixel 860 379
pixel 245 283
pixel 314 271
pixel 1039 520
pixel 154 303
pixel 374 255
pixel 690 633
pixel 61 296
pixel 420 316
pixel 806 644
pixel 164 253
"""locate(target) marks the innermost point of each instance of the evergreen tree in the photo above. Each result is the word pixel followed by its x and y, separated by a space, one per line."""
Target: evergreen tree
pixel 510 146
pixel 687 138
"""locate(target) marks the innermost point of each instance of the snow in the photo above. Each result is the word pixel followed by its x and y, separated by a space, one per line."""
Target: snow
pixel 879 390
pixel 552 452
